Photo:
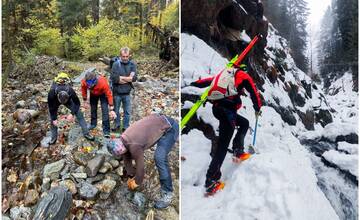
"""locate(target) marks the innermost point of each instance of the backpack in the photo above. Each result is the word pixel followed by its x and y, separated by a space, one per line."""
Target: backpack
pixel 112 61
pixel 223 85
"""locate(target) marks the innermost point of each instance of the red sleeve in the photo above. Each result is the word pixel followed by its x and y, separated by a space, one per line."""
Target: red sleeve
pixel 245 80
pixel 108 92
pixel 83 89
pixel 202 83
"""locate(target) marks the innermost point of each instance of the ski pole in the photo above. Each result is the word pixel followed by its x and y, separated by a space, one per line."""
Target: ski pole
pixel 256 123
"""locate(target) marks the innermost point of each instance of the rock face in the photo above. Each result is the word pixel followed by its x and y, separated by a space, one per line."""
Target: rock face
pixel 220 22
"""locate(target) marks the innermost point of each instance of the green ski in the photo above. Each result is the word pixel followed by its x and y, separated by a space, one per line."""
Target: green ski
pixel 233 62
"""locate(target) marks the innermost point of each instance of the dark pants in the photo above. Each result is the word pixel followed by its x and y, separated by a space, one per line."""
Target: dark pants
pixel 164 145
pixel 80 118
pixel 104 112
pixel 125 100
pixel 228 120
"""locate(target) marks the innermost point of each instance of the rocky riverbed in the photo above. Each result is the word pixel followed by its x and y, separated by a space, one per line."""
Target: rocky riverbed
pixel 95 178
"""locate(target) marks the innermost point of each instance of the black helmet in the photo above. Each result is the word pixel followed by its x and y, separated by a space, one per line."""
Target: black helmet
pixel 62 93
pixel 63 97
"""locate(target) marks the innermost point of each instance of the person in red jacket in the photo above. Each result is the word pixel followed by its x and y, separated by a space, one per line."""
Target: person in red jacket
pixel 99 90
pixel 225 110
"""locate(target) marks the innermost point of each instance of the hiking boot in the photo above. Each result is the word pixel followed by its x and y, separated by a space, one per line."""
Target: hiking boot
pixel 89 137
pixel 115 129
pixel 239 155
pixel 91 127
pixel 164 200
pixel 214 186
pixel 53 140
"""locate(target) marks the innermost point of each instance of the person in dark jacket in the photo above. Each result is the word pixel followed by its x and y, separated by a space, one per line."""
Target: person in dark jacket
pixel 225 110
pixel 153 129
pixel 123 73
pixel 61 93
pixel 99 90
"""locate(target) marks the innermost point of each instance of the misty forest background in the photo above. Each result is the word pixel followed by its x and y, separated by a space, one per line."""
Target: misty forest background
pixel 336 44
pixel 81 30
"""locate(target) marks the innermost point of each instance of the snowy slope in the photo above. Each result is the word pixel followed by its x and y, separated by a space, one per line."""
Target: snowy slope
pixel 345 104
pixel 278 183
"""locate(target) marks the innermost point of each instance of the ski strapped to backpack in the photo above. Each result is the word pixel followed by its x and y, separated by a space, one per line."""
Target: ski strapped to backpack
pixel 233 62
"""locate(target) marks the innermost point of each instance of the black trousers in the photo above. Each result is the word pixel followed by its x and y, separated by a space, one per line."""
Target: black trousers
pixel 228 121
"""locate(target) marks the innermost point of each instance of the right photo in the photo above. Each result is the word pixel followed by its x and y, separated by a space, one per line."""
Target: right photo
pixel 269 109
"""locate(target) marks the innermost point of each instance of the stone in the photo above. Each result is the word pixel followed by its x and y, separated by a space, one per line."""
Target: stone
pixel 88 191
pixel 31 197
pixel 120 171
pixel 139 199
pixel 46 184
pixel 74 135
pixel 20 104
pixel 54 205
pixel 33 105
pixel 45 142
pixel 94 165
pixel 105 168
pixel 52 170
pixel 114 163
pixel 323 117
pixel 80 169
pixel 79 175
pixel 20 213
pixel 106 186
pixel 95 179
pixel 168 213
pixel 104 196
pixel 70 185
pixel 81 158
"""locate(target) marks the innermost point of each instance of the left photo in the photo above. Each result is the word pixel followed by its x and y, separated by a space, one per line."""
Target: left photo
pixel 90 109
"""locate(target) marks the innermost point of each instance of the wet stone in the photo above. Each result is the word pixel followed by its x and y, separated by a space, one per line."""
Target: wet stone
pixel 105 168
pixel 70 185
pixel 94 165
pixel 139 199
pixel 20 104
pixel 31 197
pixel 88 191
pixel 79 175
pixel 81 158
pixel 20 213
pixel 46 184
pixel 53 170
pixel 106 186
pixel 114 163
pixel 80 169
pixel 95 179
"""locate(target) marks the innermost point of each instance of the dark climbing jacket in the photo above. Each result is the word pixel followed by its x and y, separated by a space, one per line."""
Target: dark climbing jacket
pixel 73 103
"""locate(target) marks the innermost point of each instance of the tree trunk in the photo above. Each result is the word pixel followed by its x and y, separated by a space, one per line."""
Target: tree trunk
pixel 95 11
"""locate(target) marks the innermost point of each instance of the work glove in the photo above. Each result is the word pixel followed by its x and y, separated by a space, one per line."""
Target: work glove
pixel 132 184
pixel 55 123
pixel 70 118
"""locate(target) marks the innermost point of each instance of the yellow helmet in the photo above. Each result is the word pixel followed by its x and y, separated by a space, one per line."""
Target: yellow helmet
pixel 62 78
